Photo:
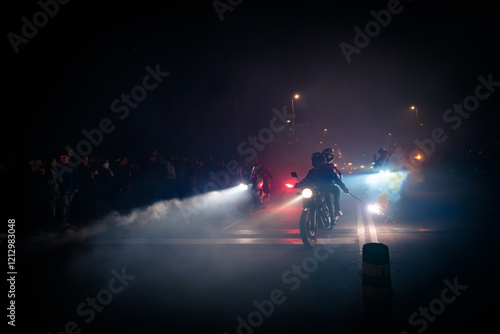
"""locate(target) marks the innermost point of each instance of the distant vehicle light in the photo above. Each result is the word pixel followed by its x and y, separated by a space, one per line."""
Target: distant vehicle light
pixel 288 185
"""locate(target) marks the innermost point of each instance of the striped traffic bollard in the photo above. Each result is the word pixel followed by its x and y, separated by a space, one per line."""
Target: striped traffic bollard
pixel 376 271
pixel 377 288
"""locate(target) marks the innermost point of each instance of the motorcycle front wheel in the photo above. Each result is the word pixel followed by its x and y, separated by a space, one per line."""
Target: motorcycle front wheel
pixel 308 228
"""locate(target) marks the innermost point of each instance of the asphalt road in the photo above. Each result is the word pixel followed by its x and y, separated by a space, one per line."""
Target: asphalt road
pixel 201 266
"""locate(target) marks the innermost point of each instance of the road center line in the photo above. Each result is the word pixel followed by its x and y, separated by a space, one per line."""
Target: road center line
pixel 372 228
pixel 361 231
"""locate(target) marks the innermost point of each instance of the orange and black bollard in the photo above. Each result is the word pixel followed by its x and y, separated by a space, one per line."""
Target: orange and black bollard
pixel 377 288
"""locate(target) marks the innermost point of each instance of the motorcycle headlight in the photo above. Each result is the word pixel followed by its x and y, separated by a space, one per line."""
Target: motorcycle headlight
pixel 307 193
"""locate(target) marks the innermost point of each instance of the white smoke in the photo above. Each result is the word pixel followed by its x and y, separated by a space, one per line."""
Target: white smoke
pixel 206 211
pixel 385 187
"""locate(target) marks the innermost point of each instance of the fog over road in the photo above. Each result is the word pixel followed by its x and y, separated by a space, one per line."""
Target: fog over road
pixel 252 274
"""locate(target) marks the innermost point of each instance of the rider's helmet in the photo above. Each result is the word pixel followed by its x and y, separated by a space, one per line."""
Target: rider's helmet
pixel 317 159
pixel 329 155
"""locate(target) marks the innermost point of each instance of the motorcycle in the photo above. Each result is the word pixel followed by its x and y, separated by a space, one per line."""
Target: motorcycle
pixel 387 164
pixel 315 214
pixel 255 185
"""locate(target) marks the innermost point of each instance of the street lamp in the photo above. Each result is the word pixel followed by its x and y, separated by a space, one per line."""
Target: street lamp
pixel 416 112
pixel 295 97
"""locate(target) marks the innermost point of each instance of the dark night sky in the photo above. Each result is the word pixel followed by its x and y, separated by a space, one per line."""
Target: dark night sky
pixel 226 77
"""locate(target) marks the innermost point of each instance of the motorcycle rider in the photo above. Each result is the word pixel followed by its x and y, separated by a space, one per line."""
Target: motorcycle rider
pixel 257 169
pixel 329 156
pixel 264 174
pixel 324 176
pixel 384 156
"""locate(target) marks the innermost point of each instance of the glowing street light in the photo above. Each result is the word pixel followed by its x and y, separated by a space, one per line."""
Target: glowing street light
pixel 416 112
pixel 295 97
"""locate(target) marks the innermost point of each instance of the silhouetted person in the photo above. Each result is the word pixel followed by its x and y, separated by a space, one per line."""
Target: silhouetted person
pixel 69 187
pixel 107 181
pixel 123 175
pixel 154 177
pixel 86 200
pixel 36 194
pixel 54 191
pixel 171 178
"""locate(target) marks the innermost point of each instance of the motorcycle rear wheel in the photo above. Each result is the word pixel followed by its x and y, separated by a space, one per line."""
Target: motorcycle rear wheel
pixel 308 228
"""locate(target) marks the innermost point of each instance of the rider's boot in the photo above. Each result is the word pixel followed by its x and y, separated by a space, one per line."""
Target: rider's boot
pixel 336 218
pixel 337 215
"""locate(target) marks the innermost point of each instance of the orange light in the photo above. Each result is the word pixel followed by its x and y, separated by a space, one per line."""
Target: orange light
pixel 418 157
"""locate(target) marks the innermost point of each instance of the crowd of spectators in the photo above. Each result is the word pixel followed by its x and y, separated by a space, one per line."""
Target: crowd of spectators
pixel 65 191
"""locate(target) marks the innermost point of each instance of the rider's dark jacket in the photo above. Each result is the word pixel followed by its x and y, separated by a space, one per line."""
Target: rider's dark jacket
pixel 324 175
